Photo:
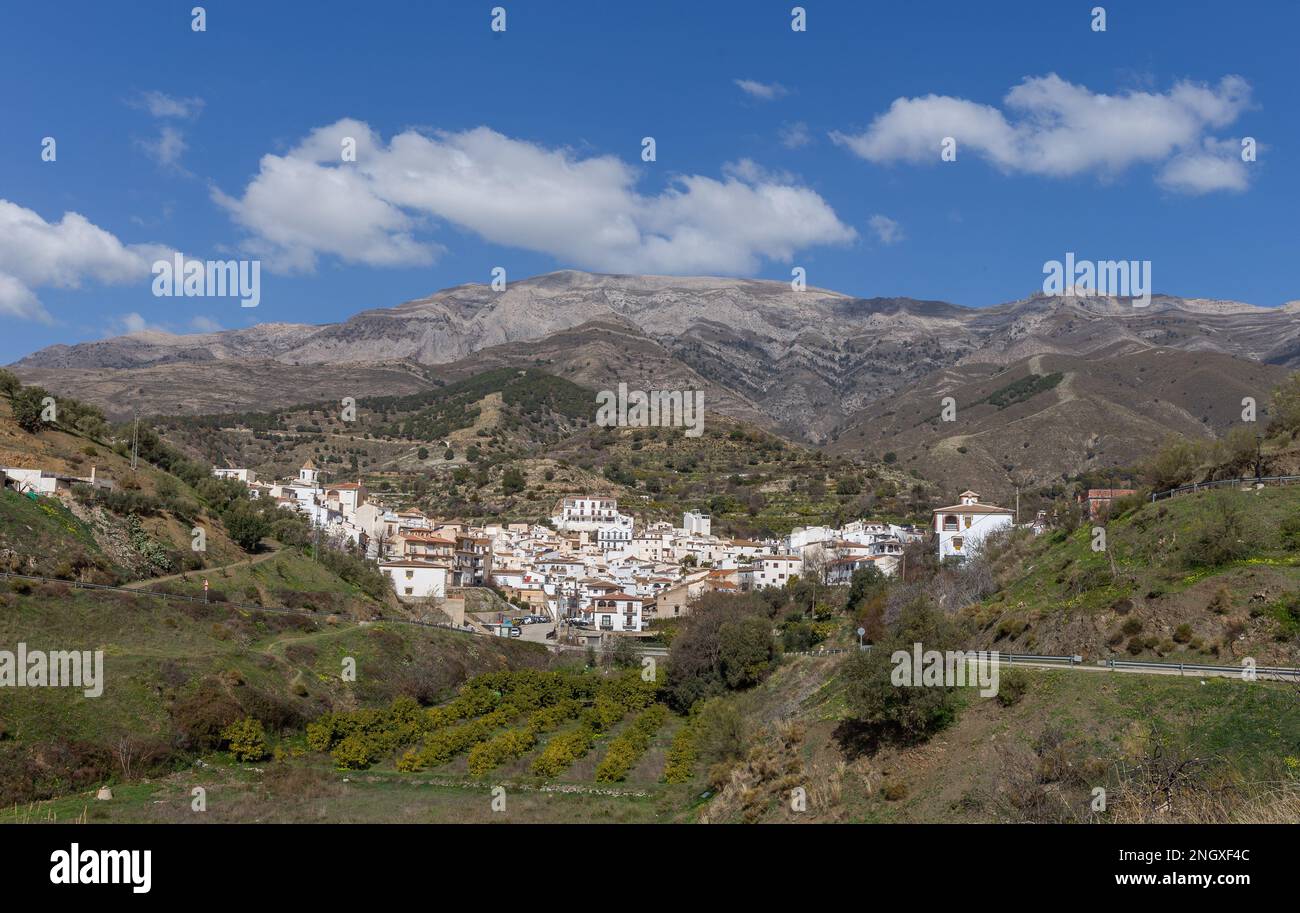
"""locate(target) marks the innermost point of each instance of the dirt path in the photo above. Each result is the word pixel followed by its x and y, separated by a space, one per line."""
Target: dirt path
pixel 141 584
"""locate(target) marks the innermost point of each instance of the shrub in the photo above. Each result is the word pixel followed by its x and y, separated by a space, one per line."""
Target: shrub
pixel 1225 533
pixel 563 750
pixel 625 750
pixel 1012 685
pixel 680 763
pixel 245 739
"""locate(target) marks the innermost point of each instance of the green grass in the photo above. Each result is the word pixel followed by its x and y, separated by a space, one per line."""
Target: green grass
pixel 43 529
pixel 159 655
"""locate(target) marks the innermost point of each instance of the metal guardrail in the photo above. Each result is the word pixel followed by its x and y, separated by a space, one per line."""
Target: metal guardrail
pixel 1223 483
pixel 1282 671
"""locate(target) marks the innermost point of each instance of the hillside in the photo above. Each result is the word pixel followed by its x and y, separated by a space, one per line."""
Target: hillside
pixel 448 450
pixel 1206 577
pixel 1048 417
pixel 177 673
pixel 144 529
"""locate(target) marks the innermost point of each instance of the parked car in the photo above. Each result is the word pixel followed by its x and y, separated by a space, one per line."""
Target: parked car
pixel 516 631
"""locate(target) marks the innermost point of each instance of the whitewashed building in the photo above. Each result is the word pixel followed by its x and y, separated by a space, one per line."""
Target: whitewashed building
pixel 960 528
pixel 416 579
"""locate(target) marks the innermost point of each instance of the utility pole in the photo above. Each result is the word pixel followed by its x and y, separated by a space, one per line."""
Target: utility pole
pixel 1017 505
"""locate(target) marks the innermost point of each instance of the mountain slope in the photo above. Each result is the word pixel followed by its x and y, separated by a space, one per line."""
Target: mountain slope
pixel 800 362
pixel 1050 416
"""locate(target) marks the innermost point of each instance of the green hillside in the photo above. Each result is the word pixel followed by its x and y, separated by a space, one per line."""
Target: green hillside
pixel 1210 576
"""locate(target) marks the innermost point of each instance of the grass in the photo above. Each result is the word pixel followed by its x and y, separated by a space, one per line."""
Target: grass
pixel 161 657
pixel 1056 587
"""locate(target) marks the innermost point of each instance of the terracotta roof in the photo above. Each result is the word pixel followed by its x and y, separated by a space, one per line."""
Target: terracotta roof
pixel 972 509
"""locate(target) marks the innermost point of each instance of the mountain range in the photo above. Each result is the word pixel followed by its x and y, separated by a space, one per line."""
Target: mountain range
pixel 824 368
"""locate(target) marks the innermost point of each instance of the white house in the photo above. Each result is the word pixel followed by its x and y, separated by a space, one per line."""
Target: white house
pixel 959 528
pixel 247 476
pixel 616 534
pixel 416 579
pixel 347 495
pixel 584 513
pixel 616 612
pixel 697 523
pixel 770 570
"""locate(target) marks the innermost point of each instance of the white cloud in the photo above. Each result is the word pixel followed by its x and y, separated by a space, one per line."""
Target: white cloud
pixel 795 136
pixel 159 104
pixel 583 211
pixel 62 254
pixel 205 325
pixel 1215 166
pixel 170 145
pixel 763 91
pixel 886 229
pixel 167 149
pixel 133 323
pixel 1056 128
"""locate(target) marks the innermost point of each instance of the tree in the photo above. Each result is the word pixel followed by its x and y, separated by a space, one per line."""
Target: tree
pixel 422 454
pixel 1175 464
pixel 245 525
pixel 746 652
pixel 1286 405
pixel 28 407
pixel 9 383
pixel 512 481
pixel 883 711
pixel 726 642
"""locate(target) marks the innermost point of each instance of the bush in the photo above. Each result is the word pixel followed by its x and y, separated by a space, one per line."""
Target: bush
pixel 1225 533
pixel 563 750
pixel 680 763
pixel 245 739
pixel 1012 685
pixel 625 750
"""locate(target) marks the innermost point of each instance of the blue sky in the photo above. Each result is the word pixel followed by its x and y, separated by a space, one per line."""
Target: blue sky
pixel 522 149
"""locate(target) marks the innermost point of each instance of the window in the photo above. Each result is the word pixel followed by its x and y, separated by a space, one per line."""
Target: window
pixel 408 591
pixel 950 522
pixel 968 520
pixel 957 543
pixel 410 574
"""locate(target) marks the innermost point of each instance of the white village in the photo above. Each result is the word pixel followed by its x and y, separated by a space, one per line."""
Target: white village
pixel 593 568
